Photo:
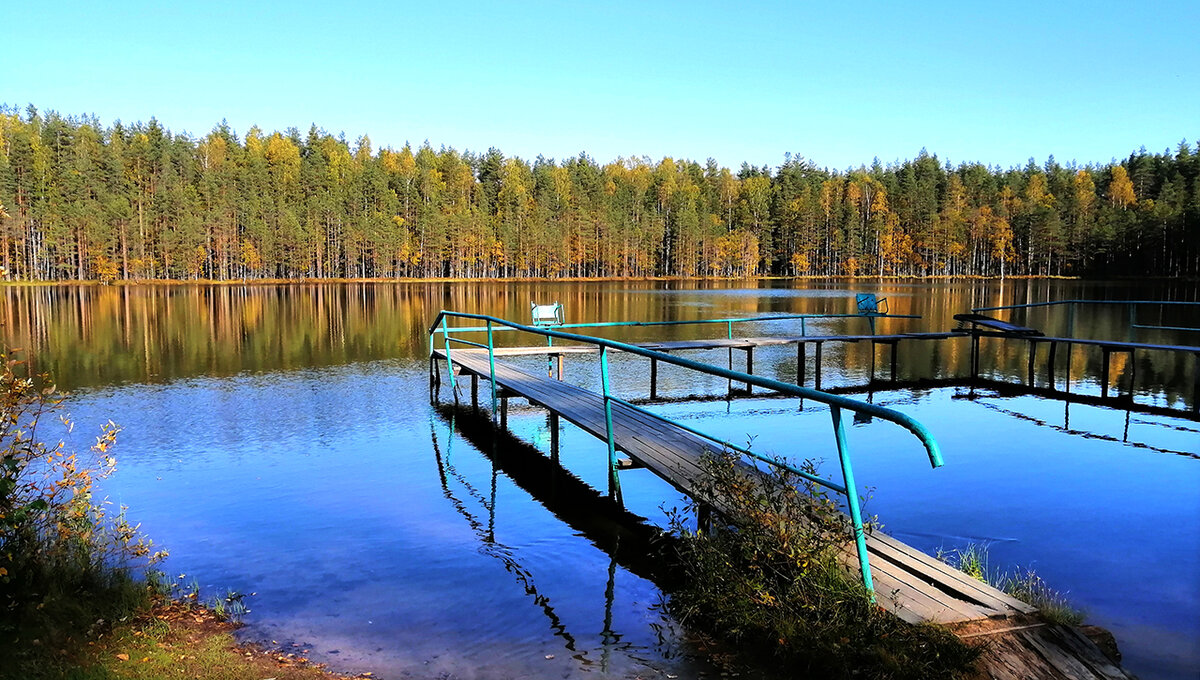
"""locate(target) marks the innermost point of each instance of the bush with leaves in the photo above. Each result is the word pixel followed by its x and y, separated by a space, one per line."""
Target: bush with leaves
pixel 771 578
pixel 65 561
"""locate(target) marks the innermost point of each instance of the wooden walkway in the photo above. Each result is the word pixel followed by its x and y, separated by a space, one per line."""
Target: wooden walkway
pixel 912 585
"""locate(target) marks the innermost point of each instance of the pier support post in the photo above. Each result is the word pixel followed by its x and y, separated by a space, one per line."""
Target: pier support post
pixel 1032 357
pixel 1050 365
pixel 749 367
pixel 474 391
pixel 1104 372
pixel 817 367
pixel 893 374
pixel 874 348
pixel 974 356
pixel 704 518
pixel 800 363
pixel 436 370
pixel 1070 351
pixel 1196 382
pixel 653 379
pixel 554 437
pixel 559 361
pixel 729 386
pixel 1132 374
pixel 504 412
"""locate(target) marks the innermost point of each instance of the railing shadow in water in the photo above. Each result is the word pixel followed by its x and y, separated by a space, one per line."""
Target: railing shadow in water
pixel 629 541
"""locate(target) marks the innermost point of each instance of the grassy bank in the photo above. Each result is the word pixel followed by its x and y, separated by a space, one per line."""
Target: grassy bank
pixel 79 597
pixel 168 640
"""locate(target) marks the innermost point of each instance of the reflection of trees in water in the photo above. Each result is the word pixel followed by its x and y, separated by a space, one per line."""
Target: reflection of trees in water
pixel 95 335
pixel 602 522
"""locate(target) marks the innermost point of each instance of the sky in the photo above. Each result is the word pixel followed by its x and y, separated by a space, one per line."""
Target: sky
pixel 837 83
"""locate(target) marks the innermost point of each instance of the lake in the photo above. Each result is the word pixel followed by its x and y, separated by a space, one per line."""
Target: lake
pixel 280 440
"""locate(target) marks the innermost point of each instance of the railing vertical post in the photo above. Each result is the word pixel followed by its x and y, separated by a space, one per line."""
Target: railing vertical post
pixel 860 539
pixel 492 368
pixel 449 364
pixel 729 335
pixel 614 483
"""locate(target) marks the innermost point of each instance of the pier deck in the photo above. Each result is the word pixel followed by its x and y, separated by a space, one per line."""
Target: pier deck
pixel 910 584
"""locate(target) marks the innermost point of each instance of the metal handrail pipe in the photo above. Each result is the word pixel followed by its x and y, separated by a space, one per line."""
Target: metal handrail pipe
pixel 468 342
pixel 734 447
pixel 1085 302
pixel 931 446
pixel 686 322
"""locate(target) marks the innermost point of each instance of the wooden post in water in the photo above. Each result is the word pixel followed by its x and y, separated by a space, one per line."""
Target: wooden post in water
pixel 1070 351
pixel 874 347
pixel 475 391
pixel 504 412
pixel 1050 365
pixel 749 367
pixel 729 386
pixel 1196 382
pixel 1104 372
pixel 974 354
pixel 895 343
pixel 817 366
pixel 1032 357
pixel 560 366
pixel 653 378
pixel 800 363
pixel 1132 373
pixel 554 436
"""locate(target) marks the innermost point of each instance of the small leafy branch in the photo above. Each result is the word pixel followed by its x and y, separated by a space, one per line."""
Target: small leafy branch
pixel 59 545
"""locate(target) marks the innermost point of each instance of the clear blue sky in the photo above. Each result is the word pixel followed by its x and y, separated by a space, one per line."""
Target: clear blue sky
pixel 839 83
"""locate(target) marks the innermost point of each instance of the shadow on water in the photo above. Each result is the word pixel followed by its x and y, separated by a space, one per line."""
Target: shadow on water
pixel 630 542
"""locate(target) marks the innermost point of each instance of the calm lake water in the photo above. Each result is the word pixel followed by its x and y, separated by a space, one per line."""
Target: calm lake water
pixel 280 440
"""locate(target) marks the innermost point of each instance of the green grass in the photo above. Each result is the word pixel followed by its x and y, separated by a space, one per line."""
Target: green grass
pixel 176 642
pixel 1023 584
pixel 774 588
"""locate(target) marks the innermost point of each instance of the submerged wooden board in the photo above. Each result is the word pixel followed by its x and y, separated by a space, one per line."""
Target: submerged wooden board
pixel 910 584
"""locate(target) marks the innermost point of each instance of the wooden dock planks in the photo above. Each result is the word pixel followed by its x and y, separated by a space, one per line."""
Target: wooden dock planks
pixel 910 584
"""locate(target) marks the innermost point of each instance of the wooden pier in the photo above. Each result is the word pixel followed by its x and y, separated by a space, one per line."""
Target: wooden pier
pixel 908 583
pixel 912 585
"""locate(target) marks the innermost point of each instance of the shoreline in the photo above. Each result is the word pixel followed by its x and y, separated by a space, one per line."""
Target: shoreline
pixel 582 279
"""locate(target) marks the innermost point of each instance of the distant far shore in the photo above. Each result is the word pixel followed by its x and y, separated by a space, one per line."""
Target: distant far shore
pixel 564 279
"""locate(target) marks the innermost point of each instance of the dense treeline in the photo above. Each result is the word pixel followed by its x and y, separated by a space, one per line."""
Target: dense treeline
pixel 82 201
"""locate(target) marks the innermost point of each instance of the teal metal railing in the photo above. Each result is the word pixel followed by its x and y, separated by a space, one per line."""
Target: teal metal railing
pixel 836 404
pixel 1132 306
pixel 870 317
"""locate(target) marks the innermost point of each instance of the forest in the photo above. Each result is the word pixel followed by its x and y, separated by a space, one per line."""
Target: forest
pixel 83 201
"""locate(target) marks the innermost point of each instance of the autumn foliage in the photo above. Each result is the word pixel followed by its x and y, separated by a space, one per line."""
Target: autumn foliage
pixel 128 202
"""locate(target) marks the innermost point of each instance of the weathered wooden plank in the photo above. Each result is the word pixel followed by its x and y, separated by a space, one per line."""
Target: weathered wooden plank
pixel 918 562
